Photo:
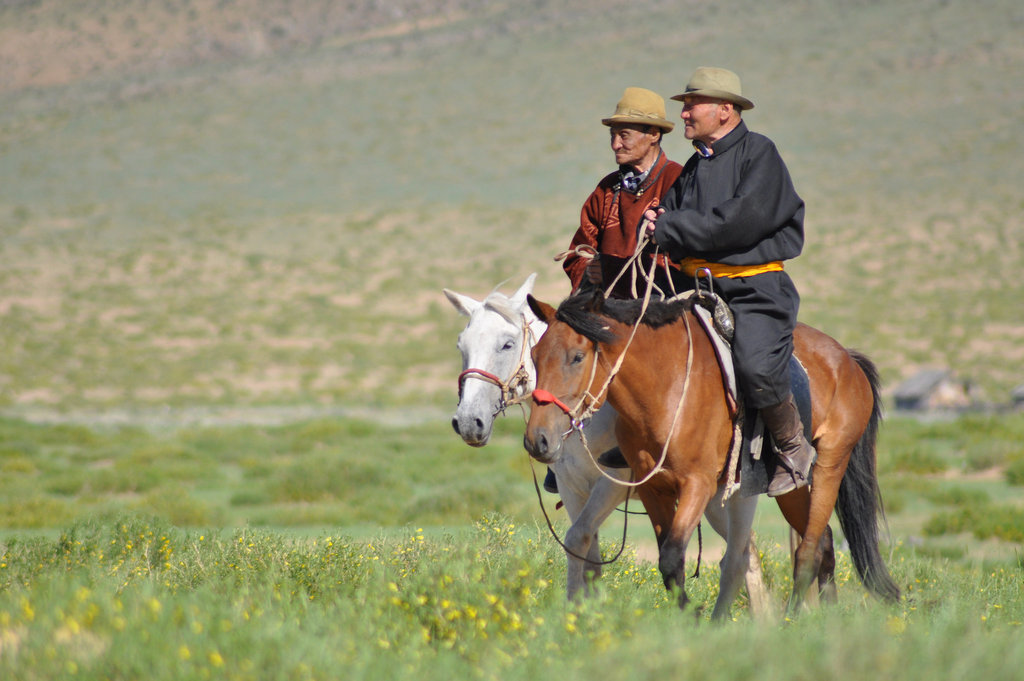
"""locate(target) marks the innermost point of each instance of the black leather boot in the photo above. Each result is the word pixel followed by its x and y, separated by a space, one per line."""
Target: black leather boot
pixel 613 458
pixel 796 455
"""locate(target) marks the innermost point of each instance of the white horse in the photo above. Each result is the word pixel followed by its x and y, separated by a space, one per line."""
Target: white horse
pixel 498 371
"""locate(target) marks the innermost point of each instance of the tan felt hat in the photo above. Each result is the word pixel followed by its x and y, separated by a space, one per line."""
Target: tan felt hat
pixel 640 106
pixel 708 81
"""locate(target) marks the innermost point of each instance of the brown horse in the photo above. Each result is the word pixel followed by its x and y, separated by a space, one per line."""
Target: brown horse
pixel 669 382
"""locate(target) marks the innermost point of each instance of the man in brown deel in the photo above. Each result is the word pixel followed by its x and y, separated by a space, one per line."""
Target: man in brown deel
pixel 610 222
pixel 611 219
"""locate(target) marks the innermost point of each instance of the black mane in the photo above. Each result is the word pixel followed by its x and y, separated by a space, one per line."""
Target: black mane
pixel 586 314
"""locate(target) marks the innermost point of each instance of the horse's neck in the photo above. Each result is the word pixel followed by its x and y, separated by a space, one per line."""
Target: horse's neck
pixel 652 363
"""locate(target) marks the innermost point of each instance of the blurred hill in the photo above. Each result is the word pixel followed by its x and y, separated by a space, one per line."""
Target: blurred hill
pixel 48 42
pixel 259 201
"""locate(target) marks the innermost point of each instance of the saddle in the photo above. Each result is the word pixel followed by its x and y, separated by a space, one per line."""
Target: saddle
pixel 755 469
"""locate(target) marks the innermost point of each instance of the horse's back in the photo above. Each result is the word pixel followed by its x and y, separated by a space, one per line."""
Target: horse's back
pixel 836 377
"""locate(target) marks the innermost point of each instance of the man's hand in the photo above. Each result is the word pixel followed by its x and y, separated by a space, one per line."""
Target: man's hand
pixel 650 215
pixel 593 271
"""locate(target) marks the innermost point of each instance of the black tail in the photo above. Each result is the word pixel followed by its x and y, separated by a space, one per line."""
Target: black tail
pixel 859 504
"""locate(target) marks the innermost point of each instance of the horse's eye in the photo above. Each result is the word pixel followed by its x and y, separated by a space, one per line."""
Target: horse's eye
pixel 577 358
pixel 508 345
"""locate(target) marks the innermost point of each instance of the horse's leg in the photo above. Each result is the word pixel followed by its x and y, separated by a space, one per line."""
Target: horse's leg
pixel 733 523
pixel 827 570
pixel 693 495
pixel 660 505
pixel 576 470
pixel 817 506
pixel 760 603
pixel 576 489
pixel 575 545
pixel 582 537
pixel 659 501
pixel 795 507
pixel 811 596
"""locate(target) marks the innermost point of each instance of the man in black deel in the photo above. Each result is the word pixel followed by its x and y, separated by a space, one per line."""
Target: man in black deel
pixel 734 211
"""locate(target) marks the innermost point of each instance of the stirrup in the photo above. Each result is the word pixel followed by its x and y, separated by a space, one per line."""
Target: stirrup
pixel 722 316
pixel 788 476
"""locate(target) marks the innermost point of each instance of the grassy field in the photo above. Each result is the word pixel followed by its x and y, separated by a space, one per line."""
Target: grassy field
pixel 133 598
pixel 942 480
pixel 273 225
pixel 349 549
pixel 227 367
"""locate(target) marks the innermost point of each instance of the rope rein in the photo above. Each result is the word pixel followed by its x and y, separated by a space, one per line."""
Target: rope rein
pixel 554 533
pixel 582 411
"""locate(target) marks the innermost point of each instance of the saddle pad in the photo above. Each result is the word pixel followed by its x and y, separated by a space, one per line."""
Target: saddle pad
pixel 724 353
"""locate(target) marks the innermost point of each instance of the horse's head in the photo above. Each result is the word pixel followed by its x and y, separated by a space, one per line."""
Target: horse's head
pixel 568 372
pixel 495 347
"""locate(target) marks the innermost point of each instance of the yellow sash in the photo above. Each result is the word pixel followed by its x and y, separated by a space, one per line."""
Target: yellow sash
pixel 691 265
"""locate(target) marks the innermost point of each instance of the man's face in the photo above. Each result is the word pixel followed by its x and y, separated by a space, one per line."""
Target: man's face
pixel 634 146
pixel 703 117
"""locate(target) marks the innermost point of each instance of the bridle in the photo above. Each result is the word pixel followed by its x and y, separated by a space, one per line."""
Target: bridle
pixel 579 414
pixel 584 408
pixel 513 390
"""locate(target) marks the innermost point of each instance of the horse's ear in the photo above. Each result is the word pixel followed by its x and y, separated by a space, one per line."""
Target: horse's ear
pixel 519 297
pixel 464 304
pixel 544 312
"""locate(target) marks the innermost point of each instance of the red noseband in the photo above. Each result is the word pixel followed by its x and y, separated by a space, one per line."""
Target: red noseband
pixel 542 397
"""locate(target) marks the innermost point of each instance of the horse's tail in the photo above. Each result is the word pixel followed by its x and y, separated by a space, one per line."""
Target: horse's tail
pixel 859 504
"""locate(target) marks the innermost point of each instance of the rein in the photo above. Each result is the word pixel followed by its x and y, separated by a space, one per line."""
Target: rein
pixel 551 527
pixel 582 411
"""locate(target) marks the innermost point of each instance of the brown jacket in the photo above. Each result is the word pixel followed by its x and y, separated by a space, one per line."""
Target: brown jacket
pixel 610 223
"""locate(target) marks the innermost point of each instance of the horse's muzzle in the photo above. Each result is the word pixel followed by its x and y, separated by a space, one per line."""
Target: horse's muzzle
pixel 541 445
pixel 472 430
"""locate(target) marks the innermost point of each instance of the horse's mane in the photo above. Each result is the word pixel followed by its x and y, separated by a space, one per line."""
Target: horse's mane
pixel 588 315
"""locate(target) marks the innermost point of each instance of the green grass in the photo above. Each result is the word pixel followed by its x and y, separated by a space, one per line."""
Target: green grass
pixel 347 548
pixel 227 365
pixel 127 596
pixel 338 471
pixel 311 474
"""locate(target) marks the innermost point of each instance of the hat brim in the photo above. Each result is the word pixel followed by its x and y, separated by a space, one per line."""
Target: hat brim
pixel 665 126
pixel 742 102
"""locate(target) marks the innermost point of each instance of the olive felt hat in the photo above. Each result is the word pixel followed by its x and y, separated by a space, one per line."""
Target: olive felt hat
pixel 640 106
pixel 708 81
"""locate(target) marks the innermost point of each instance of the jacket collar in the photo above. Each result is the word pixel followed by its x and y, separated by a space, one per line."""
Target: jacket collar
pixel 635 183
pixel 724 144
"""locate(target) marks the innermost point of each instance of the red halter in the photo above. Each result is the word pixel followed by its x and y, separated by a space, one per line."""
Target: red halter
pixel 542 397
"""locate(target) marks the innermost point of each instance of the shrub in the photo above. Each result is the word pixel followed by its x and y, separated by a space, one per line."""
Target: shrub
pixel 958 496
pixel 986 521
pixel 1015 472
